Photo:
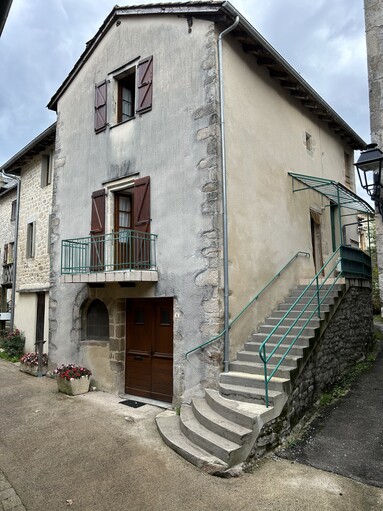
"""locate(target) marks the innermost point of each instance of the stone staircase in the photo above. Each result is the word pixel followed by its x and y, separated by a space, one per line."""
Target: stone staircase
pixel 218 431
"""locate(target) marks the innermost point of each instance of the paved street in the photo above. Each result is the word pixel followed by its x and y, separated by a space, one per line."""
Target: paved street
pixel 348 437
pixel 91 453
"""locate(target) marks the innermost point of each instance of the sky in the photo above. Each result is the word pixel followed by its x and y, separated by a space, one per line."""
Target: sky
pixel 42 39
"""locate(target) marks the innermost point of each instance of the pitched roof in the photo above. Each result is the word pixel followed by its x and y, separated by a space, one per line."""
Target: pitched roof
pixel 252 42
pixel 34 147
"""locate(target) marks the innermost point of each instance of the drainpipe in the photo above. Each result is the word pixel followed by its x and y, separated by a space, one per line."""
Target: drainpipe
pixel 13 298
pixel 224 199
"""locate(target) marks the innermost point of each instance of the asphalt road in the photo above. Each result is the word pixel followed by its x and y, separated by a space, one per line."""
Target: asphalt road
pixel 90 453
pixel 347 438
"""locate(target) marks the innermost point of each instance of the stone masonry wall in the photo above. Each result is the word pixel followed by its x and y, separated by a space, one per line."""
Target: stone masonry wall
pixel 347 339
pixel 35 206
pixel 373 11
pixel 7 227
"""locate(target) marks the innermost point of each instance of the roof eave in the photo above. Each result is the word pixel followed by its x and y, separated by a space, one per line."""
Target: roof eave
pixel 36 145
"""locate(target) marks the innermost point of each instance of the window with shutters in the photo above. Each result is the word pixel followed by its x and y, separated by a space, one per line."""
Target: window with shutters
pixel 126 96
pixel 134 89
pixel 129 222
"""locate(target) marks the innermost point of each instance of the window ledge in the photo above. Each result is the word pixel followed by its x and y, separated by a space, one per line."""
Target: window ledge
pixel 111 126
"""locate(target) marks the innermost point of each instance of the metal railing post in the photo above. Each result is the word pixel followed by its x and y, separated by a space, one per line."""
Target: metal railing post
pixel 318 298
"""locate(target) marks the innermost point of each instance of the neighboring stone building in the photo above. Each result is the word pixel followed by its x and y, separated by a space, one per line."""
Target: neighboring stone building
pixel 7 239
pixel 374 37
pixel 34 165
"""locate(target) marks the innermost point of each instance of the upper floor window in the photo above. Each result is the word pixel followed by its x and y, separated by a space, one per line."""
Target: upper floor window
pixel 133 94
pixel 126 96
pixel 46 170
pixel 13 210
pixel 348 171
pixel 31 235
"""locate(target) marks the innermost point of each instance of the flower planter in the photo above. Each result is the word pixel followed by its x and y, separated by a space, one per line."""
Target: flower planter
pixel 74 386
pixel 32 369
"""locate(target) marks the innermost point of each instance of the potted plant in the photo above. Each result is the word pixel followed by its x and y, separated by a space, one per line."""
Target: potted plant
pixel 72 379
pixel 29 363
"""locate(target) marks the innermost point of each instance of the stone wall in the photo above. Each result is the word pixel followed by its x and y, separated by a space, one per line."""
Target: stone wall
pixel 373 10
pixel 7 227
pixel 347 339
pixel 35 206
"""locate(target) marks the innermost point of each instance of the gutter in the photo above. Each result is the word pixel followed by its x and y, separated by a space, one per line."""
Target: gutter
pixel 224 199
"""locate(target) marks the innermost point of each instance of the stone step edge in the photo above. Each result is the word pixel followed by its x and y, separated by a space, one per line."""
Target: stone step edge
pixel 168 425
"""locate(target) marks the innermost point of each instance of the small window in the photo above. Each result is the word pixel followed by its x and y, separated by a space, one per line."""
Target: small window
pixel 308 141
pixel 97 321
pixel 46 170
pixel 11 253
pixel 31 233
pixel 126 96
pixel 348 170
pixel 13 210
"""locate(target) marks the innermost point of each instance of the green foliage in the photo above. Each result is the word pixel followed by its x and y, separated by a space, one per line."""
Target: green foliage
pixel 5 356
pixel 13 343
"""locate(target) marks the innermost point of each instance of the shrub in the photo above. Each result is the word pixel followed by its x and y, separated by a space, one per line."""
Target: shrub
pixel 13 343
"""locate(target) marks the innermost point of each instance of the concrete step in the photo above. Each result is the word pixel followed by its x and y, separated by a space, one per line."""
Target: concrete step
pixel 217 423
pixel 215 444
pixel 253 380
pixel 253 357
pixel 298 308
pixel 311 300
pixel 314 322
pixel 279 313
pixel 283 371
pixel 296 350
pixel 240 412
pixel 169 427
pixel 251 395
pixel 312 289
pixel 258 339
pixel 283 329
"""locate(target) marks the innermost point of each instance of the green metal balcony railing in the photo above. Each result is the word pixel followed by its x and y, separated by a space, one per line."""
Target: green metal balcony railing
pixel 123 250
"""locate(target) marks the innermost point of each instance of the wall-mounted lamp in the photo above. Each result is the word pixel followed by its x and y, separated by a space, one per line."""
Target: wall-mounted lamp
pixel 369 167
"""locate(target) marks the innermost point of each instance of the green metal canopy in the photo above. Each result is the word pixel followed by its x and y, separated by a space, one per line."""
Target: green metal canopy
pixel 335 192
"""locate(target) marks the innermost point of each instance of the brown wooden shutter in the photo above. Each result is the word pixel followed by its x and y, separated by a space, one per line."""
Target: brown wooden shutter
pixel 100 107
pixel 97 225
pixel 141 205
pixel 144 85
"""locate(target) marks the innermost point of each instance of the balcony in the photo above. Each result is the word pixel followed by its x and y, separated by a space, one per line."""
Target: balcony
pixel 7 275
pixel 124 256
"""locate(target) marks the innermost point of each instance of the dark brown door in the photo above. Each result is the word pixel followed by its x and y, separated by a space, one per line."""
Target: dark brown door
pixel 149 348
pixel 40 316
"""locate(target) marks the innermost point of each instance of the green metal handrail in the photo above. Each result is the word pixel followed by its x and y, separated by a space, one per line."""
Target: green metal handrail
pixel 306 254
pixel 316 295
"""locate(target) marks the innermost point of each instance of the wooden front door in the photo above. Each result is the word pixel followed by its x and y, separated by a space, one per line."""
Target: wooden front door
pixel 149 348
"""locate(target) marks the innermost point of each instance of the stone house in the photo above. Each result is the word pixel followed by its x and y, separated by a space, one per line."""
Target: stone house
pixel 33 165
pixel 7 237
pixel 192 164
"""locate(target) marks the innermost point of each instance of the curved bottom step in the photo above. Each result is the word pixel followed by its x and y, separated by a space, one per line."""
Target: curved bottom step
pixel 168 424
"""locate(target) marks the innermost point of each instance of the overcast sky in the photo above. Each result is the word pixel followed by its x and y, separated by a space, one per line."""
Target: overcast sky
pixel 42 39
